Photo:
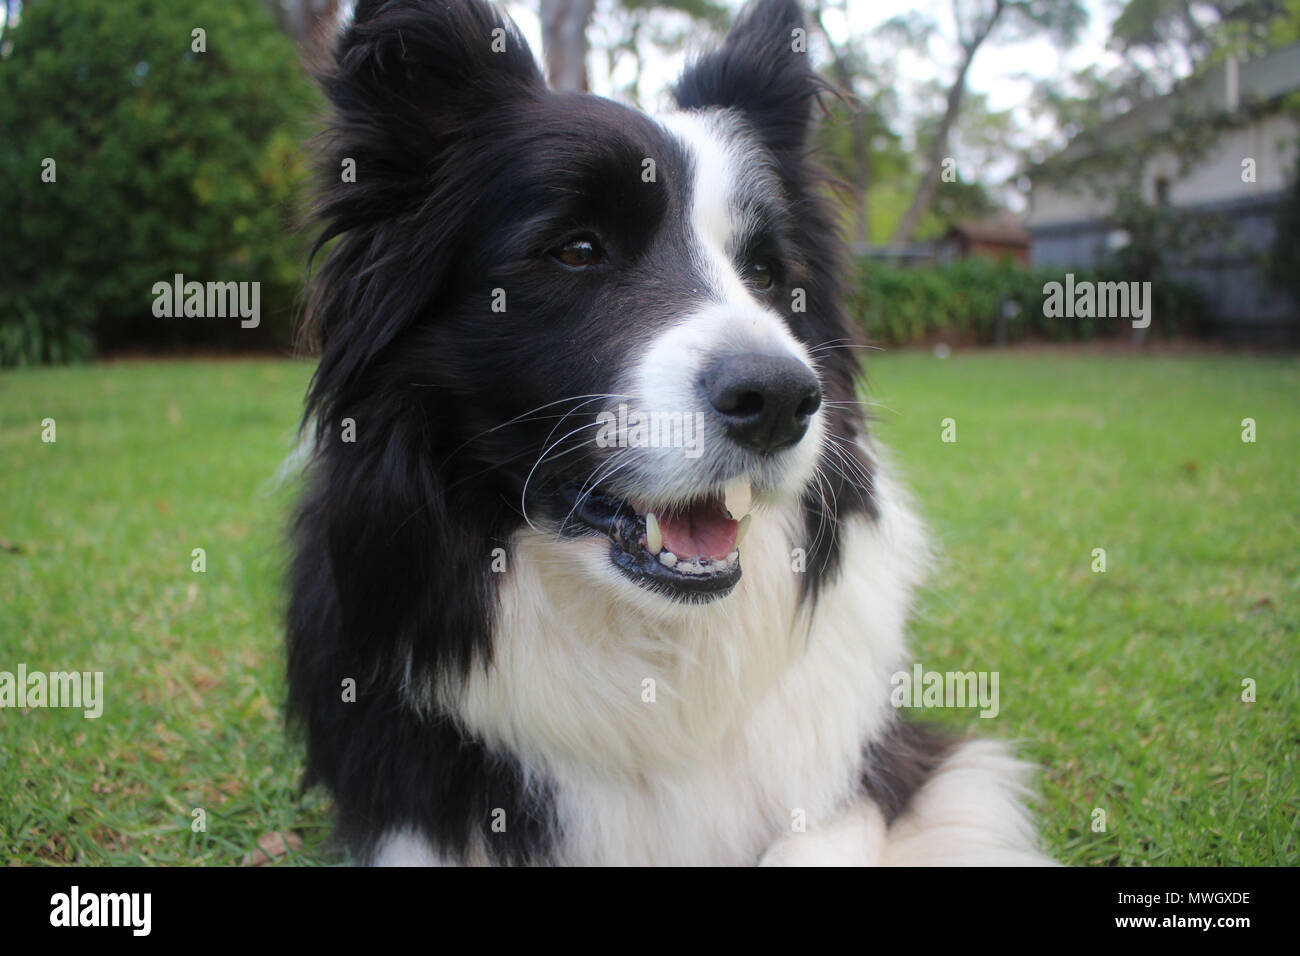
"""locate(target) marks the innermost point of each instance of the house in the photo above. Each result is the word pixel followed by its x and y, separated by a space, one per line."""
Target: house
pixel 1000 238
pixel 1003 238
pixel 1216 155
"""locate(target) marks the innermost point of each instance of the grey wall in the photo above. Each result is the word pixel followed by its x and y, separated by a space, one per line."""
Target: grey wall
pixel 1227 267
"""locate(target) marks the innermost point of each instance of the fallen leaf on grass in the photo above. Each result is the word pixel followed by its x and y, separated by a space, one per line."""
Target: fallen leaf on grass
pixel 271 846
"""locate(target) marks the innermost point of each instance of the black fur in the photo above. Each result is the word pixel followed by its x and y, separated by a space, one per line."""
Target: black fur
pixel 468 170
pixel 900 760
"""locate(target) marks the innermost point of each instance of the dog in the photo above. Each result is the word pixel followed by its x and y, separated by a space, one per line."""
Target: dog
pixel 596 562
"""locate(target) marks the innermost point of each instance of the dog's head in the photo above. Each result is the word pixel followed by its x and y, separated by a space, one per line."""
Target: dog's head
pixel 546 309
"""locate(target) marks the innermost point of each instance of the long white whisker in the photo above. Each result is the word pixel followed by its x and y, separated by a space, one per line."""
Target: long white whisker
pixel 523 497
pixel 593 396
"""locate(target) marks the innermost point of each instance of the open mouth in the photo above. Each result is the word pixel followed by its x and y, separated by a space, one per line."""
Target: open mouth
pixel 690 552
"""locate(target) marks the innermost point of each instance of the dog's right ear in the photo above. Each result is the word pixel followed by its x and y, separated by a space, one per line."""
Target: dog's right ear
pixel 413 81
pixel 418 71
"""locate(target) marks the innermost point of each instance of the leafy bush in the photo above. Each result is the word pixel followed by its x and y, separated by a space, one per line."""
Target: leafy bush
pixel 166 161
pixel 961 301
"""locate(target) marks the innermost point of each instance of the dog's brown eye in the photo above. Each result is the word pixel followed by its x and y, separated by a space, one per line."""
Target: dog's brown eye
pixel 760 276
pixel 579 252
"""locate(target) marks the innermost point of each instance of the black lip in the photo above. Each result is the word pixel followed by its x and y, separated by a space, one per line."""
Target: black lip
pixel 598 513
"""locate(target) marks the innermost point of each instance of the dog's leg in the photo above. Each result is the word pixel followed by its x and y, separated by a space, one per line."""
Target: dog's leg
pixel 857 838
pixel 971 812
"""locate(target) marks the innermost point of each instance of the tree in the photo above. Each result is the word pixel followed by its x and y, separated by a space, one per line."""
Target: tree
pixel 978 21
pixel 847 64
pixel 564 42
pixel 1163 40
pixel 312 24
pixel 566 26
pixel 131 152
pixel 858 143
pixel 10 10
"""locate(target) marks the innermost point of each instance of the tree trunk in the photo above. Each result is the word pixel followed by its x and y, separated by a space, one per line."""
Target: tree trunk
pixel 939 148
pixel 934 162
pixel 9 7
pixel 564 42
pixel 312 24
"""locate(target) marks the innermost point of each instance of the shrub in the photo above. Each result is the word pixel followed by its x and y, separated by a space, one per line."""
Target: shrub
pixel 166 160
pixel 961 301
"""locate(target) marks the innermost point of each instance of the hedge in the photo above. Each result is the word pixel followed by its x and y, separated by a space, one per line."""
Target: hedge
pixel 961 301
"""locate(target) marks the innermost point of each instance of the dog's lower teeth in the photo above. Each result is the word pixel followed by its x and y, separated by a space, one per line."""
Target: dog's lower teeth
pixel 698 565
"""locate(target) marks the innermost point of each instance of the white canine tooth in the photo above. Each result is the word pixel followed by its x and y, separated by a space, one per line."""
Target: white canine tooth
pixel 738 497
pixel 667 559
pixel 733 558
pixel 744 526
pixel 654 539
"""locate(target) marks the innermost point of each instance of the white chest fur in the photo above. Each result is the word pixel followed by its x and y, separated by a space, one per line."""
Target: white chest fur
pixel 675 734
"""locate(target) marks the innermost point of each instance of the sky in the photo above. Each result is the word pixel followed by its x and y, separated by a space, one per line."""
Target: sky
pixel 995 70
pixel 1005 71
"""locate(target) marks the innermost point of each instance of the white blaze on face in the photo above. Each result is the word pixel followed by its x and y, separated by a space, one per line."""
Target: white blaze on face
pixel 723 317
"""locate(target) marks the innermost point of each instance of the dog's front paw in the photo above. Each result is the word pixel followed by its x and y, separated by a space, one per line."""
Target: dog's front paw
pixel 800 849
pixel 857 838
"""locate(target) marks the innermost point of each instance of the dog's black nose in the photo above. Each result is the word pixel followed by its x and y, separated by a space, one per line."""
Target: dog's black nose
pixel 764 401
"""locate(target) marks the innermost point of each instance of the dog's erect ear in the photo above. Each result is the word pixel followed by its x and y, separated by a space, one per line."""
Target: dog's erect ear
pixel 762 70
pixel 422 69
pixel 413 81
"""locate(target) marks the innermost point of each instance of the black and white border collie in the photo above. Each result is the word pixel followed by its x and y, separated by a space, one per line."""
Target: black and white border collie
pixel 527 627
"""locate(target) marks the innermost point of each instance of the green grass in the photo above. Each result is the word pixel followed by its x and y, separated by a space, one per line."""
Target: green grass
pixel 1125 686
pixel 152 461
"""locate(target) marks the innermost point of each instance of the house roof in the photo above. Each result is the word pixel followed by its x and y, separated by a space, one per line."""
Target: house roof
pixel 1004 232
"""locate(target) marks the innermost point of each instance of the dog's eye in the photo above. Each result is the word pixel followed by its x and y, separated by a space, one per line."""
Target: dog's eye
pixel 579 252
pixel 759 275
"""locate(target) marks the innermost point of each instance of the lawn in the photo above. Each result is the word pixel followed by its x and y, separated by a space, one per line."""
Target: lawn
pixel 1126 686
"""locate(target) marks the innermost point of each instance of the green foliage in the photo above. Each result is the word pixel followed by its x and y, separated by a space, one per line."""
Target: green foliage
pixel 1202 30
pixel 961 302
pixel 167 161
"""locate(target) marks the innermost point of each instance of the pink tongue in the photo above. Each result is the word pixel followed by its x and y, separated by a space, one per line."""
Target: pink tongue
pixel 703 532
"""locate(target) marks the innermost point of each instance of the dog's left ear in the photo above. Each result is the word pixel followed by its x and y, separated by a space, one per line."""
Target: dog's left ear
pixel 763 71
